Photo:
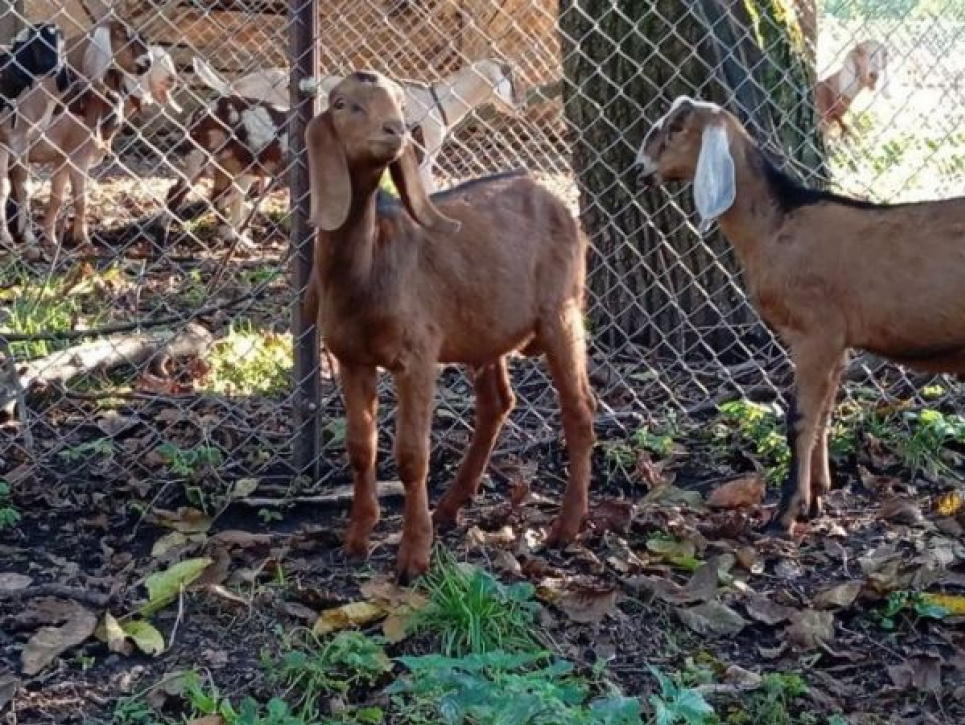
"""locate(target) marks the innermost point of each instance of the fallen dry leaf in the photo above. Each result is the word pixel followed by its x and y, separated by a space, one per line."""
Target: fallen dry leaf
pixel 702 586
pixel 712 619
pixel 669 495
pixel 922 672
pixel 611 515
pixel 12 582
pixel 948 504
pixel 588 605
pixel 839 596
pixel 764 610
pixel 353 614
pixel 810 629
pixel 739 493
pixel 900 511
pixel 9 684
pixel 49 642
pixel 114 635
pixel 186 519
pixel 954 604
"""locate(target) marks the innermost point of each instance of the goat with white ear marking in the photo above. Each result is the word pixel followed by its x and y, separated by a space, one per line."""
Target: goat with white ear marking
pixel 237 141
pixel 109 43
pixel 467 276
pixel 435 108
pixel 826 272
pixel 864 66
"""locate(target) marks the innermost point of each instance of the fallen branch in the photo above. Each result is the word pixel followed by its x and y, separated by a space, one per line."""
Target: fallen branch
pixel 341 496
pixel 61 591
pixel 153 349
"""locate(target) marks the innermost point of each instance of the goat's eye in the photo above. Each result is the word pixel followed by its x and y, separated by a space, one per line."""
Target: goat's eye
pixel 338 104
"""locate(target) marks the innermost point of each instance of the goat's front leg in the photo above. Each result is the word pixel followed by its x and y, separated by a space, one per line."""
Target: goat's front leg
pixel 563 340
pixel 417 391
pixel 815 360
pixel 58 188
pixel 78 187
pixel 6 239
pixel 361 438
pixel 494 402
pixel 820 468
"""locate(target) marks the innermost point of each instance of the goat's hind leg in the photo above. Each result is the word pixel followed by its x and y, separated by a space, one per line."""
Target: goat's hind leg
pixel 820 468
pixel 563 340
pixel 494 402
pixel 815 361
pixel 359 386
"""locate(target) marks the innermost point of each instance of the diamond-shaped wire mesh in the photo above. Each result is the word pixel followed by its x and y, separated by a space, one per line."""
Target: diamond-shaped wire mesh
pixel 162 349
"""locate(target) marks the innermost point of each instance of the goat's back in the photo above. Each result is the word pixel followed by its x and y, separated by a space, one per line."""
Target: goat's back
pixel 517 259
pixel 244 135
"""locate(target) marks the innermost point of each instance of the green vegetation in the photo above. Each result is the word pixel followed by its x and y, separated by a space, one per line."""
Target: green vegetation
pixel 250 361
pixel 9 515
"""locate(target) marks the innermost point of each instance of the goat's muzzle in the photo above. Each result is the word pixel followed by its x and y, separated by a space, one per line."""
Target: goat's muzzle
pixel 142 65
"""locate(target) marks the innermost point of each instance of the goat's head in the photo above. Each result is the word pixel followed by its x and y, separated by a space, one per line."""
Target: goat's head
pixel 115 42
pixel 362 133
pixel 692 142
pixel 502 78
pixel 864 66
pixel 37 51
pixel 158 84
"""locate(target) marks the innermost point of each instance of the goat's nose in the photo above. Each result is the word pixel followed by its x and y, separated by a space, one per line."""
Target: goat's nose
pixel 393 128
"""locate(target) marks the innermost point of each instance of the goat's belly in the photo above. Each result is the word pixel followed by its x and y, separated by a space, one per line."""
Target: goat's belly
pixel 483 349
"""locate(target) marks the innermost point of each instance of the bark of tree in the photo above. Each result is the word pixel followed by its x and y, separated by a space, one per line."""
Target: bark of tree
pixel 653 280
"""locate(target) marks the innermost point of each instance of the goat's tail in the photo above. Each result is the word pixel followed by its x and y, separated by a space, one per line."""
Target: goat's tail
pixel 210 77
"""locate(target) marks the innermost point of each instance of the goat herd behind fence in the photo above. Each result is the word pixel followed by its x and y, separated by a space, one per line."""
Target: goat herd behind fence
pixel 406 276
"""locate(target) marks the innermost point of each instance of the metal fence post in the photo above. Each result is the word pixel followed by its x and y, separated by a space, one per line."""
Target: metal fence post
pixel 303 34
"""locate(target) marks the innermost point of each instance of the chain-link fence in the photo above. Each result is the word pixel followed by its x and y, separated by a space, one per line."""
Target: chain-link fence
pixel 171 350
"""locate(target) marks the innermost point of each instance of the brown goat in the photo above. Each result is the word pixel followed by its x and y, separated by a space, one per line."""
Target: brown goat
pixel 827 272
pixel 109 43
pixel 864 65
pixel 468 276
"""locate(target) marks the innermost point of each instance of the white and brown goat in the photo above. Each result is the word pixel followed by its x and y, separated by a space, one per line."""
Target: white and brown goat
pixel 79 137
pixel 111 44
pixel 469 276
pixel 237 141
pixel 32 76
pixel 826 272
pixel 434 108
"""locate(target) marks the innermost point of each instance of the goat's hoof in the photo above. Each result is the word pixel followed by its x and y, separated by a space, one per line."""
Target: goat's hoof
pixel 445 517
pixel 563 532
pixel 356 546
pixel 816 509
pixel 776 528
pixel 413 562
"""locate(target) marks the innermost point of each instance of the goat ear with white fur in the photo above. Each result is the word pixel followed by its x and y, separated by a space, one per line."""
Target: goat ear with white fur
pixel 97 57
pixel 848 80
pixel 715 184
pixel 329 183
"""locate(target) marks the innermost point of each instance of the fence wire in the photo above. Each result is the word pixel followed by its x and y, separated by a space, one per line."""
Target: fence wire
pixel 165 353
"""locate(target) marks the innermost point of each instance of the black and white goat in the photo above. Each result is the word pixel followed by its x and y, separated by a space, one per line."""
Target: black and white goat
pixel 32 76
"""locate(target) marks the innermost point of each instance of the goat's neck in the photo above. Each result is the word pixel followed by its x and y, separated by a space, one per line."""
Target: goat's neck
pixel 755 216
pixel 463 92
pixel 849 93
pixel 347 254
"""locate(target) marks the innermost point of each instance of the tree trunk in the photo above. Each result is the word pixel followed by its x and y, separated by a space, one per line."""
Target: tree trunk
pixel 653 280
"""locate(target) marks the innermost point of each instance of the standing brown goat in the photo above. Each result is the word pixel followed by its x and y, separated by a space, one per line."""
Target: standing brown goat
pixel 827 272
pixel 469 276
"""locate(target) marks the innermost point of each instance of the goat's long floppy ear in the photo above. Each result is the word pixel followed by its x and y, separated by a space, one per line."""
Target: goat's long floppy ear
pixel 848 81
pixel 329 184
pixel 715 185
pixel 97 57
pixel 406 177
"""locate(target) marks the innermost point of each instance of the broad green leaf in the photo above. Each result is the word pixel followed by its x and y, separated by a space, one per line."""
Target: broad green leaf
pixel 145 636
pixel 164 587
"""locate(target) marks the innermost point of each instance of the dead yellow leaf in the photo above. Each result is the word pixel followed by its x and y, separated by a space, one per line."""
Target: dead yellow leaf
pixel 353 614
pixel 948 504
pixel 588 605
pixel 49 642
pixel 953 603
pixel 810 629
